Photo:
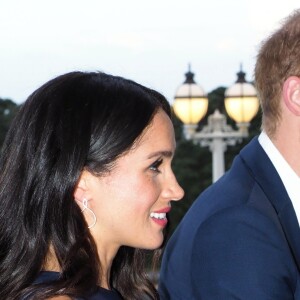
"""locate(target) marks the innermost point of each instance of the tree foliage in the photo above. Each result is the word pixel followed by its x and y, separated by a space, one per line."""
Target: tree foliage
pixel 7 111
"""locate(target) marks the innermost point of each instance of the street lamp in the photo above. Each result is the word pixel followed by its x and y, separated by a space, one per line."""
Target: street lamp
pixel 241 104
pixel 190 104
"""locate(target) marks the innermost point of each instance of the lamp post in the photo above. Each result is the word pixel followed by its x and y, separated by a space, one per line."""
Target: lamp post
pixel 191 104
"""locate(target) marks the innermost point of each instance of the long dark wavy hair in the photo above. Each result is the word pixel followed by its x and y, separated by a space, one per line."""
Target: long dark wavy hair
pixel 77 121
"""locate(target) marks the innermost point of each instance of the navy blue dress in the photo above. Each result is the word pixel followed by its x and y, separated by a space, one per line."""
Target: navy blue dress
pixel 100 294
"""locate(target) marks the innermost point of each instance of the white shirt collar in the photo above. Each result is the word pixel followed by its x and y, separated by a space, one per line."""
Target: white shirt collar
pixel 290 179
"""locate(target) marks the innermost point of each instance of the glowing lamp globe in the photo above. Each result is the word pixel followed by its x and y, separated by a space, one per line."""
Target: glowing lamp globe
pixel 241 102
pixel 190 103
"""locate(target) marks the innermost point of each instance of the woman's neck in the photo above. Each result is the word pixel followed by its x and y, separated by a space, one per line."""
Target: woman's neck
pixel 106 260
pixel 51 262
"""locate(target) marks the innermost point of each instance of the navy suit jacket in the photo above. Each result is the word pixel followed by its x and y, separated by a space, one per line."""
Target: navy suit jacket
pixel 239 240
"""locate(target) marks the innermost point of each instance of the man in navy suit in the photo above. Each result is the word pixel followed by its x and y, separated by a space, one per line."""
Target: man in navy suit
pixel 241 237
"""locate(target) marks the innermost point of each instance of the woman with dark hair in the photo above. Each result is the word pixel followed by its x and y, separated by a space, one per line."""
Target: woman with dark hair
pixel 85 185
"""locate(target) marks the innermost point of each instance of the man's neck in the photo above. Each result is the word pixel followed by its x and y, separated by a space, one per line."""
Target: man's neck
pixel 288 144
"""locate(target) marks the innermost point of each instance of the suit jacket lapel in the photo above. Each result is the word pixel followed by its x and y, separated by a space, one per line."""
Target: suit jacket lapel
pixel 290 226
pixel 267 177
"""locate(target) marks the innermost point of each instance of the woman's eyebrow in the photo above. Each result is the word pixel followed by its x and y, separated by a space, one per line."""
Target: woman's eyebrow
pixel 161 153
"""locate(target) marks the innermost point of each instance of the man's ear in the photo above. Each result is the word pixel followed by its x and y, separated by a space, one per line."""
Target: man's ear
pixel 291 94
pixel 81 188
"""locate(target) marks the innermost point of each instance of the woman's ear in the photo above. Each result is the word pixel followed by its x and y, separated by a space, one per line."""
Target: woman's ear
pixel 291 94
pixel 81 188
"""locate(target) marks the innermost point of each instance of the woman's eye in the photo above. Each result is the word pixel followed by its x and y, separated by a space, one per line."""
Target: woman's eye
pixel 154 167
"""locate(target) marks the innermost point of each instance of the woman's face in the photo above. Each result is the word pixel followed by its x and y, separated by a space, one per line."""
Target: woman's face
pixel 132 200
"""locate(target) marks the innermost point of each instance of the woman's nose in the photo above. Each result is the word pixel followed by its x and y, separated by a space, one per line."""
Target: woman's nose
pixel 173 191
pixel 178 192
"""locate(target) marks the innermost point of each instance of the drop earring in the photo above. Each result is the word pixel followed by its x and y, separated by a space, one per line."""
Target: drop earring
pixel 85 207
